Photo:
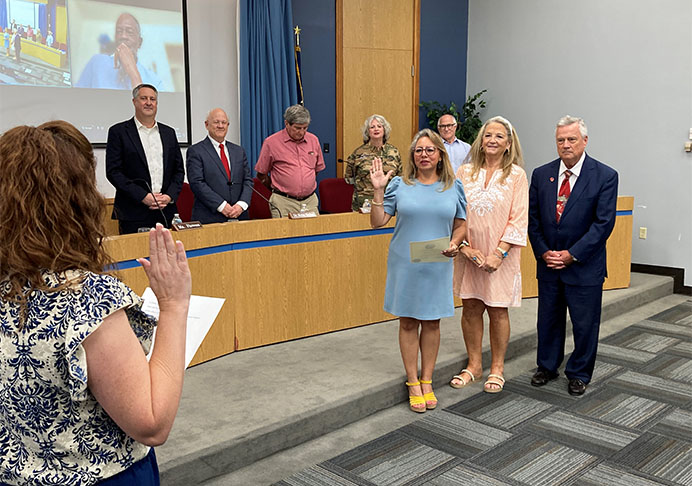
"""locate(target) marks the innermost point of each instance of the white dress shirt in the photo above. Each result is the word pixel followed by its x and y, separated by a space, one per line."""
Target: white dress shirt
pixel 575 173
pixel 153 149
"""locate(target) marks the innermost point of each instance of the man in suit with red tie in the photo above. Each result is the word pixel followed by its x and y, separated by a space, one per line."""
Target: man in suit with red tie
pixel 144 164
pixel 572 206
pixel 218 173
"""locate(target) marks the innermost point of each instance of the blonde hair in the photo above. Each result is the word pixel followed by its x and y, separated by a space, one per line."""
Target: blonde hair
pixel 512 156
pixel 409 170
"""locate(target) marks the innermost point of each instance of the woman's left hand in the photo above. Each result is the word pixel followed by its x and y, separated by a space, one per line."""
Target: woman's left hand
pixel 492 263
pixel 451 251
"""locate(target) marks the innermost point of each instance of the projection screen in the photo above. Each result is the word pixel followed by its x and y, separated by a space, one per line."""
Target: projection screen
pixel 77 60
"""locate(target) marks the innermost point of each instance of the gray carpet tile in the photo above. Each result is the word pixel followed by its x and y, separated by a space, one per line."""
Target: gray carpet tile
pixel 674 330
pixel 633 427
pixel 614 407
pixel 680 314
pixel 319 476
pixel 503 410
pixel 391 460
pixel 651 342
pixel 682 349
pixel 662 457
pixel 609 475
pixel 463 475
pixel 677 423
pixel 583 433
pixel 535 461
pixel 653 387
pixel 623 355
pixel 672 367
pixel 454 434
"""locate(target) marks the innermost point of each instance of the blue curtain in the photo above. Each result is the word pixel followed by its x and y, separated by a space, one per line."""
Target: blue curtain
pixel 3 14
pixel 43 20
pixel 267 72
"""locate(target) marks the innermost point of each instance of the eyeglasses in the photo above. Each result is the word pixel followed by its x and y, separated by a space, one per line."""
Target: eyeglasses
pixel 447 127
pixel 428 150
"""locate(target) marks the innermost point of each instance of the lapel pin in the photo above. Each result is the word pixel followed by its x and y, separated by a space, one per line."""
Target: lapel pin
pixel 552 179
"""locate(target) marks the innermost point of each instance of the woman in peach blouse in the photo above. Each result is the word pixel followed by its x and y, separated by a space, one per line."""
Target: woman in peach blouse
pixel 487 274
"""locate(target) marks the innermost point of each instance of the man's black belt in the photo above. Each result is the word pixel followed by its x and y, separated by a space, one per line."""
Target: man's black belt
pixel 276 191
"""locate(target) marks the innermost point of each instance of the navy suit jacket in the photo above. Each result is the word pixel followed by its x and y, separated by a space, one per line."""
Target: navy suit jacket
pixel 586 223
pixel 127 169
pixel 209 182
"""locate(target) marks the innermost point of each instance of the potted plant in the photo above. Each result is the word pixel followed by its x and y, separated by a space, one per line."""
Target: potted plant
pixel 469 120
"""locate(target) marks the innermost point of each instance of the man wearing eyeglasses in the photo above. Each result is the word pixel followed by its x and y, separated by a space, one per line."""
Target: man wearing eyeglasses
pixel 456 149
pixel 121 69
pixel 219 174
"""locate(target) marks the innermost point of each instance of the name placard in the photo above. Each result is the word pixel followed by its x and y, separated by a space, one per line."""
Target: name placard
pixel 186 226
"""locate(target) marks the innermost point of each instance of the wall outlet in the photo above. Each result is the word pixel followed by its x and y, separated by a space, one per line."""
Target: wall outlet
pixel 642 232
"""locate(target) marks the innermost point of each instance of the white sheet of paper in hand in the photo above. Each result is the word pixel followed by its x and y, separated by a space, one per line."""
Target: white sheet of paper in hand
pixel 429 251
pixel 200 317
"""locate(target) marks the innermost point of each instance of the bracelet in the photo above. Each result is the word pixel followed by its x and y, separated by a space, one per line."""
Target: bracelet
pixel 464 243
pixel 375 203
pixel 503 254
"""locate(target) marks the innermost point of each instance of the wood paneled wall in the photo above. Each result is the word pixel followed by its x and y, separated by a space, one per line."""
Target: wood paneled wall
pixel 377 70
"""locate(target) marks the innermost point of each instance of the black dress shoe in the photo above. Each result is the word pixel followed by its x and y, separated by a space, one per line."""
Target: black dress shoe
pixel 576 387
pixel 541 377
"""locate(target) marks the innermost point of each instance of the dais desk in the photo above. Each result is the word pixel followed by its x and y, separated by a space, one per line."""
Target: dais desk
pixel 286 279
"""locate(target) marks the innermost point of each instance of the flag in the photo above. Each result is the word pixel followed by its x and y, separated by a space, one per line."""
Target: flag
pixel 296 56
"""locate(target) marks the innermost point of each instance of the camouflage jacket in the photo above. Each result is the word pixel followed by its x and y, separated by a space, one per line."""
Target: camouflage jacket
pixel 358 169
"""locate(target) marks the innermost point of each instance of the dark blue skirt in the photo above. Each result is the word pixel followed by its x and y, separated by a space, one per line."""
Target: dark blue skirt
pixel 144 472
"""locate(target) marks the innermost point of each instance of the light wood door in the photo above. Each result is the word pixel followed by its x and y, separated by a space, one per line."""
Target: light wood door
pixel 377 70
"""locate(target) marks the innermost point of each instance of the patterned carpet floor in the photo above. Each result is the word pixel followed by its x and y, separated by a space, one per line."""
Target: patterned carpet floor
pixel 632 427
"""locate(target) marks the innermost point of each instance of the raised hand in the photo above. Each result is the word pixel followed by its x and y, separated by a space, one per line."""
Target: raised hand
pixel 377 176
pixel 167 270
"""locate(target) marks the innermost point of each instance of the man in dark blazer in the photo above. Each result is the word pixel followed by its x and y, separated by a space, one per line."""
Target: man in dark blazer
pixel 144 164
pixel 218 173
pixel 572 203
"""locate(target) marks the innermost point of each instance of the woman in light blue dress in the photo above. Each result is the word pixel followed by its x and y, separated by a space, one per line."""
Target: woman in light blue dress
pixel 429 204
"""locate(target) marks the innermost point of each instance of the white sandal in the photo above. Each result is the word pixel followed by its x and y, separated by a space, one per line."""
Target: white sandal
pixel 496 380
pixel 461 379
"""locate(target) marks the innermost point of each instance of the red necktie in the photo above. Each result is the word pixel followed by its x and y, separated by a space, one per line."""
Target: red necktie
pixel 563 195
pixel 224 160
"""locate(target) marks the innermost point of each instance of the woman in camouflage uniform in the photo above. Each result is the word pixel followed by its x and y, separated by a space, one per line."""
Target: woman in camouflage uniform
pixel 376 130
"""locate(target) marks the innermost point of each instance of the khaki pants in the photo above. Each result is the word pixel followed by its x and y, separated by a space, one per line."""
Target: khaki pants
pixel 287 205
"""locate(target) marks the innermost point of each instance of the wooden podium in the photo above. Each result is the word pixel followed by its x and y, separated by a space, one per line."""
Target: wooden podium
pixel 285 279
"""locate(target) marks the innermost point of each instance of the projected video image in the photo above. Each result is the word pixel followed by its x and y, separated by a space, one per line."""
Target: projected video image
pixel 34 43
pixel 92 44
pixel 116 45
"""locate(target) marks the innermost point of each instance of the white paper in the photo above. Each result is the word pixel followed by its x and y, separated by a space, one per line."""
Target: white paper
pixel 200 317
pixel 429 251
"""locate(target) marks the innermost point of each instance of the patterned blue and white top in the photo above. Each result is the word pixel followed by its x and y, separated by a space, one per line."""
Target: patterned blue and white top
pixel 52 429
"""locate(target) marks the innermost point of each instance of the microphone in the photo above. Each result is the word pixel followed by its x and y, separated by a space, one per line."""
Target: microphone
pixel 151 191
pixel 268 201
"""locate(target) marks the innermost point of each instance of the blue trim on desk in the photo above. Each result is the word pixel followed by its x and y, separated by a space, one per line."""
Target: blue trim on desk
pixel 624 213
pixel 247 245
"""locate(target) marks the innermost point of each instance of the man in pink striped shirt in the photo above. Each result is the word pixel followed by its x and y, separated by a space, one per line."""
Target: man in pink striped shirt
pixel 289 162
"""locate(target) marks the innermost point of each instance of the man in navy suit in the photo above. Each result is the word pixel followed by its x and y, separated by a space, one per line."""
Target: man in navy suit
pixel 572 203
pixel 219 175
pixel 144 164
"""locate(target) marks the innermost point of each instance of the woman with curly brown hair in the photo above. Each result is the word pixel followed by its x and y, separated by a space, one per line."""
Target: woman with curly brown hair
pixel 79 403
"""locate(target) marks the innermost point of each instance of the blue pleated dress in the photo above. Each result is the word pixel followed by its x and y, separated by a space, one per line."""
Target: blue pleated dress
pixel 423 212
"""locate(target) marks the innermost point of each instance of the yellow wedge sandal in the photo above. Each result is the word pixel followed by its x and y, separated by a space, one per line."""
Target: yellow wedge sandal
pixel 430 398
pixel 416 402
